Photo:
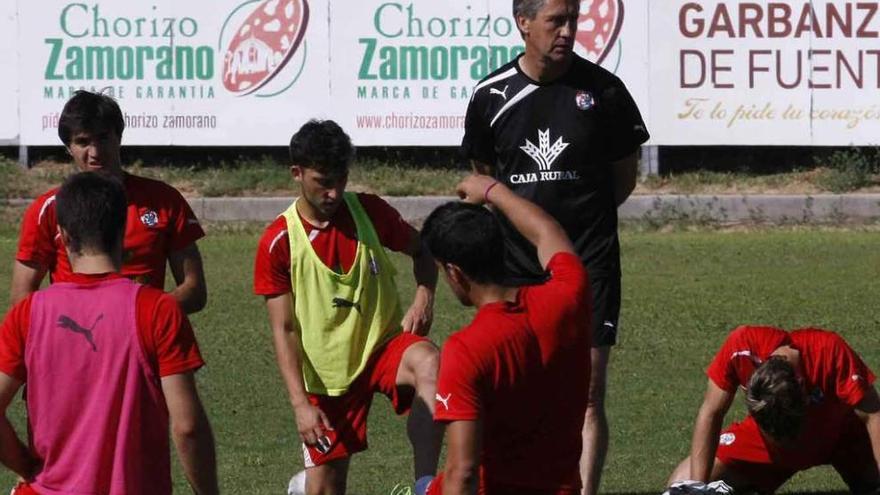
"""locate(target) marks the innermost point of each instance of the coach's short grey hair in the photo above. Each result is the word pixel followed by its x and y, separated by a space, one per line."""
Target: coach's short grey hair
pixel 527 8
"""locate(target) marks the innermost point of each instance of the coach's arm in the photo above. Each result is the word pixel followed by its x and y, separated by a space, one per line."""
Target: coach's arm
pixel 707 428
pixel 189 275
pixel 624 173
pixel 869 412
pixel 482 168
pixel 461 473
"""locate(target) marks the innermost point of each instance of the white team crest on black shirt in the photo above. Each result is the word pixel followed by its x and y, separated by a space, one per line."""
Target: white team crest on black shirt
pixel 584 100
pixel 544 154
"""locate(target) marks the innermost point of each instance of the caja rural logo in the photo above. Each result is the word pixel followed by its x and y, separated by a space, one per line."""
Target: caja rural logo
pixel 263 48
pixel 599 26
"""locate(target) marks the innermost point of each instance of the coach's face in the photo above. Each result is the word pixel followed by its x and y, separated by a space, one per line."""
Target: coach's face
pixel 96 151
pixel 322 192
pixel 551 34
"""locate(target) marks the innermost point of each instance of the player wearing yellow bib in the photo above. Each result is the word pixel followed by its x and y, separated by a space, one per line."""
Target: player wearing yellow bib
pixel 340 332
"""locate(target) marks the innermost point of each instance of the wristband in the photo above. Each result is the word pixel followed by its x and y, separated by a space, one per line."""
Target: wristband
pixel 486 194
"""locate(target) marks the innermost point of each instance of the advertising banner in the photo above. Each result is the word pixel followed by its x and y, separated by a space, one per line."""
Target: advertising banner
pixel 249 72
pixel 402 72
pixel 765 73
pixel 8 67
pixel 207 73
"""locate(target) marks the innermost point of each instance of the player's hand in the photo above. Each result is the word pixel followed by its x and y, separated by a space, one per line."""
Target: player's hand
pixel 473 188
pixel 420 315
pixel 311 422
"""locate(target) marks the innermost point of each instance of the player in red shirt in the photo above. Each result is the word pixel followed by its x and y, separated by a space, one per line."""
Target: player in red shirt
pixel 811 401
pixel 150 377
pixel 325 234
pixel 513 383
pixel 160 227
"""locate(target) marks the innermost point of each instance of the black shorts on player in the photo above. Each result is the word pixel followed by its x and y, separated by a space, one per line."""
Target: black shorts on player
pixel 606 309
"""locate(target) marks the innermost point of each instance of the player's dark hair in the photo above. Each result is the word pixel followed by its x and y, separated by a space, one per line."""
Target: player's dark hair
pixel 91 209
pixel 776 399
pixel 469 237
pixel 323 146
pixel 86 111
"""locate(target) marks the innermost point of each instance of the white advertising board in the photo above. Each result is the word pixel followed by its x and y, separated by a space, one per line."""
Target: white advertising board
pixel 212 73
pixel 9 68
pixel 759 73
pixel 400 72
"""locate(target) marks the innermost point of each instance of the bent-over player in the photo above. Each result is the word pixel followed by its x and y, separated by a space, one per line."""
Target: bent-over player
pixel 811 401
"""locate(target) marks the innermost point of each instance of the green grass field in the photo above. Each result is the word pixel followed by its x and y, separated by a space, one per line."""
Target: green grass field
pixel 682 293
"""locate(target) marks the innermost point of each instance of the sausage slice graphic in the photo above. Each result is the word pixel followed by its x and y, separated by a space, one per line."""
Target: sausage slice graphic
pixel 264 44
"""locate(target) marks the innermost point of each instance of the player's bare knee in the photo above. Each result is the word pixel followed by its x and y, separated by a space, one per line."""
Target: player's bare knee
pixel 423 363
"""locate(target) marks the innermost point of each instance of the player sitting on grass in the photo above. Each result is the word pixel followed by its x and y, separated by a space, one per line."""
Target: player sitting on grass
pixel 811 401
pixel 339 330
pixel 513 383
pixel 107 363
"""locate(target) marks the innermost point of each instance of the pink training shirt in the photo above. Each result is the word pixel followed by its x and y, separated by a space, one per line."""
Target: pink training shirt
pixel 97 416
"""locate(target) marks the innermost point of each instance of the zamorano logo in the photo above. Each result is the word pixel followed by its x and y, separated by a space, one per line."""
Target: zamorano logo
pixel 261 47
pixel 599 26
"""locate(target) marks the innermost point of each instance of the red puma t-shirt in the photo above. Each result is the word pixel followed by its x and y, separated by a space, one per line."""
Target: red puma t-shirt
pixel 523 370
pixel 159 222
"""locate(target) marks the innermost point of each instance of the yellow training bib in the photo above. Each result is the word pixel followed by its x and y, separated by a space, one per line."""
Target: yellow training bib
pixel 342 317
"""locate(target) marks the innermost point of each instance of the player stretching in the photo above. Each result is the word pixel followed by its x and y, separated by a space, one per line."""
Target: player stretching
pixel 513 383
pixel 811 401
pixel 336 316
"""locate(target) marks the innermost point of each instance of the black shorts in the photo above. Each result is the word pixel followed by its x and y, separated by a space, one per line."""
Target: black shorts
pixel 606 309
pixel 606 304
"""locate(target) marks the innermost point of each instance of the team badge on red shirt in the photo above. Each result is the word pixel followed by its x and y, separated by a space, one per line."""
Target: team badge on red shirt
pixel 150 218
pixel 584 100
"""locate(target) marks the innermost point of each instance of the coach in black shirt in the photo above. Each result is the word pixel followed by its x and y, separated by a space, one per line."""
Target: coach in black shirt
pixel 564 133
